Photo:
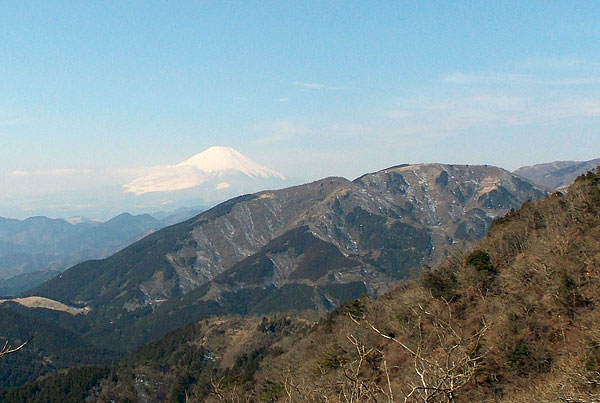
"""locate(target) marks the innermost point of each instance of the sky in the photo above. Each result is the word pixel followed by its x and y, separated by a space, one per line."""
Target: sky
pixel 93 92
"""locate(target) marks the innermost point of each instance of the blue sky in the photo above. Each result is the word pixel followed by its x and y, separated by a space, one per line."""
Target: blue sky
pixel 91 91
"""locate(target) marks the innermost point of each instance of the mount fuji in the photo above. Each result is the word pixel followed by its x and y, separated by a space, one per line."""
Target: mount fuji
pixel 220 164
pixel 214 175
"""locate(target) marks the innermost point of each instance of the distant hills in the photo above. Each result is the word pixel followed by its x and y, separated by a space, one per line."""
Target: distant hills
pixel 312 247
pixel 35 249
pixel 554 175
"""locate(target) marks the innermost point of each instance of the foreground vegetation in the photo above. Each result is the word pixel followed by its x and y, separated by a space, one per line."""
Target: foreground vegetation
pixel 514 319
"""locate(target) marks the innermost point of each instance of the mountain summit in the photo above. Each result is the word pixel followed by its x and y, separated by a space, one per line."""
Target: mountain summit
pixel 201 169
pixel 221 160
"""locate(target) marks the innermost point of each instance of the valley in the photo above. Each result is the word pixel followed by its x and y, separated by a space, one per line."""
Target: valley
pixel 38 248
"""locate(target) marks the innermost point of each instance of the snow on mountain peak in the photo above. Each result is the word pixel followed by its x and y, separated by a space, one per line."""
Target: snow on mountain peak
pixel 222 159
pixel 211 163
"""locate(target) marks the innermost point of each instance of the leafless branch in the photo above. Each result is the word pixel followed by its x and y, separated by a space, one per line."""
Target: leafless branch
pixel 445 359
pixel 8 349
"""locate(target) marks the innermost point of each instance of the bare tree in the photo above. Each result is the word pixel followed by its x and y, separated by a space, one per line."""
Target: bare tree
pixel 8 349
pixel 221 392
pixel 445 357
pixel 357 384
pixel 357 387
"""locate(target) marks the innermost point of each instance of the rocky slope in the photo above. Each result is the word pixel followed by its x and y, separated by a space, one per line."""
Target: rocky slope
pixel 307 247
pixel 514 320
pixel 557 174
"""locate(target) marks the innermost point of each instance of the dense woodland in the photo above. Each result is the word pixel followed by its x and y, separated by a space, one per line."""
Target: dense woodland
pixel 513 319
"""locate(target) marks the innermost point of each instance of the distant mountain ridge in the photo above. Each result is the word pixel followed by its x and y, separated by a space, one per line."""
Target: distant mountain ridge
pixel 557 174
pixel 311 246
pixel 41 244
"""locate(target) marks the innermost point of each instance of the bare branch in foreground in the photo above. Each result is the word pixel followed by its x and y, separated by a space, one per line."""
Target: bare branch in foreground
pixel 8 349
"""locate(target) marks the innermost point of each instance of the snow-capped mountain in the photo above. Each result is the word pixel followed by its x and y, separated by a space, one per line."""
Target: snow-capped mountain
pixel 222 160
pixel 199 182
pixel 213 164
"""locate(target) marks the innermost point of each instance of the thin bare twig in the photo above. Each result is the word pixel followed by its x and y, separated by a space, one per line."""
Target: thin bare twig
pixel 7 349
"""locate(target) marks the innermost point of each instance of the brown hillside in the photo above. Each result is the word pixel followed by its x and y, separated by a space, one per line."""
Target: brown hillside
pixel 514 320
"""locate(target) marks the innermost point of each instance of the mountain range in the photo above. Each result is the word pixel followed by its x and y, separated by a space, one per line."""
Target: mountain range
pixel 307 248
pixel 312 246
pixel 557 174
pixel 204 179
pixel 38 248
pixel 511 318
pixel 27 260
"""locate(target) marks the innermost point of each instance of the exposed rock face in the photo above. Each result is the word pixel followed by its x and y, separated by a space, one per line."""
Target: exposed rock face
pixel 328 240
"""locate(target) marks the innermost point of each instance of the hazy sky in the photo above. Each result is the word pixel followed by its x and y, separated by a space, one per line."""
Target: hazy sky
pixel 91 91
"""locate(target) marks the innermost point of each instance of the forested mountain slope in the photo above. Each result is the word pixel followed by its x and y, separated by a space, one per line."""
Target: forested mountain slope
pixel 52 347
pixel 307 247
pixel 513 319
